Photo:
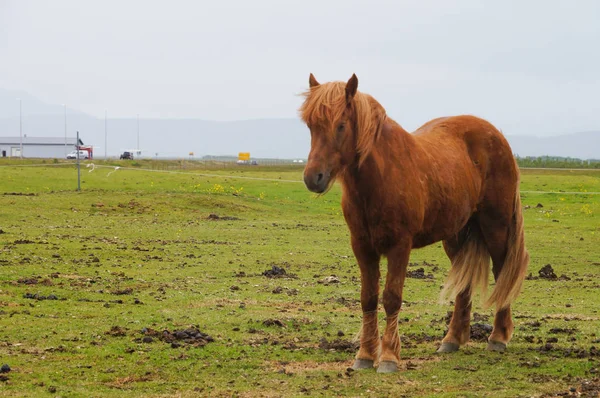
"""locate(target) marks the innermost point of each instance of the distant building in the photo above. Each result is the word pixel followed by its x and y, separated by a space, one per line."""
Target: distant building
pixel 37 147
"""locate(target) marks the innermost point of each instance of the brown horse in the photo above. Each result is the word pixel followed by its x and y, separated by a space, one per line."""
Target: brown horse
pixel 453 180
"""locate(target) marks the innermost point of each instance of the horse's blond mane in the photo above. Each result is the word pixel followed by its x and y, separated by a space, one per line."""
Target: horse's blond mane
pixel 325 104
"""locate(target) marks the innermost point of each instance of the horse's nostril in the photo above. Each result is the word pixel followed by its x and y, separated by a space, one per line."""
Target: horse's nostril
pixel 319 177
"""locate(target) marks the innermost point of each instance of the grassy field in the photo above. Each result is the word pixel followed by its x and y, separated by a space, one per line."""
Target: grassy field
pixel 104 292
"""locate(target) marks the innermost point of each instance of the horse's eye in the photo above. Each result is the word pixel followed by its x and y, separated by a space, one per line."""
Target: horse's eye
pixel 341 127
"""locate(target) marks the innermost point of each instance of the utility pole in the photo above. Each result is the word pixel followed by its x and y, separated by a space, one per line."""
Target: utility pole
pixel 138 132
pixel 78 165
pixel 105 136
pixel 21 127
pixel 65 105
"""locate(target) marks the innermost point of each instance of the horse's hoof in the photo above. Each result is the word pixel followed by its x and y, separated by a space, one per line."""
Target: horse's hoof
pixel 448 347
pixel 387 367
pixel 362 364
pixel 496 346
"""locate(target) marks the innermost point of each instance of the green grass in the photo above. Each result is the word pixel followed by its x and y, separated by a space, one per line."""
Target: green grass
pixel 149 232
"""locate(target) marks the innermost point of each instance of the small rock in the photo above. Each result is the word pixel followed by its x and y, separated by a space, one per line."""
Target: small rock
pixel 147 339
pixel 539 206
pixel 330 279
pixel 5 368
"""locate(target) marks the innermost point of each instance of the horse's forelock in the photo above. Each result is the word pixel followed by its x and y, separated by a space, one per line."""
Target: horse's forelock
pixel 325 104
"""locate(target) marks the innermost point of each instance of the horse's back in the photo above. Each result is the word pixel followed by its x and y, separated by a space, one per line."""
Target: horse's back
pixel 453 136
pixel 462 126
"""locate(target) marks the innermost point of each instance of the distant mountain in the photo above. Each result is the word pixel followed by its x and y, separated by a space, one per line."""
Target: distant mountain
pixel 263 138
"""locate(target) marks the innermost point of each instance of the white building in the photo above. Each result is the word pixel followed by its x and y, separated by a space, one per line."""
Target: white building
pixel 37 147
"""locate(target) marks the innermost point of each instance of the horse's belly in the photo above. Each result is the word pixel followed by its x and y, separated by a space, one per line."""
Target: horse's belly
pixel 445 225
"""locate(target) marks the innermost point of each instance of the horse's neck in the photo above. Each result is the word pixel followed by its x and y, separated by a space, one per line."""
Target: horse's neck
pixel 391 157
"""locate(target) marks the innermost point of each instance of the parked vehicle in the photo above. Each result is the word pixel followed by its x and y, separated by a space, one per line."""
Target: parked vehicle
pixel 82 155
pixel 126 155
pixel 248 162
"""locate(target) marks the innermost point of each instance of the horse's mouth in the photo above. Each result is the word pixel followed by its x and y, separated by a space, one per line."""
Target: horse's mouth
pixel 317 182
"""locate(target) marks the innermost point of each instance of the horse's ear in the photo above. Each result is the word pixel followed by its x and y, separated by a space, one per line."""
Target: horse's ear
pixel 312 81
pixel 351 87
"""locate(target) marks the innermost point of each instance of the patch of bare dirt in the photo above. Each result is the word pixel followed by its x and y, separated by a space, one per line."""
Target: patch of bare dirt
pixel 277 272
pixel 273 322
pixel 287 290
pixel 339 345
pixel 177 338
pixel 419 273
pixel 23 242
pixel 584 388
pixel 410 339
pixel 116 331
pixel 34 281
pixel 546 272
pixel 216 217
pixel 122 382
pixel 39 297
pixel 19 194
pixel 480 331
pixel 133 205
pixel 346 302
pixel 562 331
pixel 120 292
pixel 568 352
pixel 308 366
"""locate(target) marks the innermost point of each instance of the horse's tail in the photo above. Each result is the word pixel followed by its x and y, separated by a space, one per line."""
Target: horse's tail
pixel 510 280
pixel 470 265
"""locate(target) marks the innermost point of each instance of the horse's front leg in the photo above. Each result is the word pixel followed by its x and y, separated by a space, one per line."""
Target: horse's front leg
pixel 392 301
pixel 368 261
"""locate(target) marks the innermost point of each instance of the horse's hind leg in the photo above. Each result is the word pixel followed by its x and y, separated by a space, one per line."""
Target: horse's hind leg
pixel 495 233
pixel 459 327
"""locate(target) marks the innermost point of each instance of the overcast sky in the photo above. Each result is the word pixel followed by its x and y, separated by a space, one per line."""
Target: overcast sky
pixel 527 66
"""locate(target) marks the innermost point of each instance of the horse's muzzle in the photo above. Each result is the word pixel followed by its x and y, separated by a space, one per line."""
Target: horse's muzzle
pixel 316 182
